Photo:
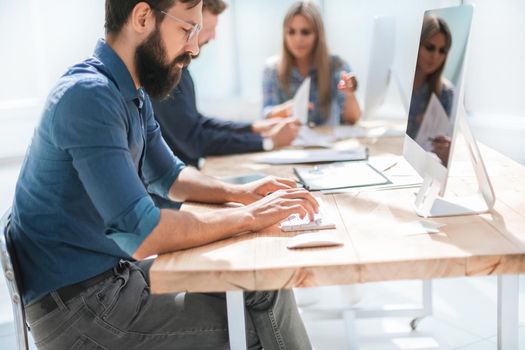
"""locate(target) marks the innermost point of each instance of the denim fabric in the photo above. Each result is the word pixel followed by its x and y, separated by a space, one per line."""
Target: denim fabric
pixel 274 93
pixel 419 103
pixel 120 313
pixel 82 199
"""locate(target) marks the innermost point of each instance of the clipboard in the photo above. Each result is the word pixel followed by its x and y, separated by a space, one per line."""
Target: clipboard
pixel 340 175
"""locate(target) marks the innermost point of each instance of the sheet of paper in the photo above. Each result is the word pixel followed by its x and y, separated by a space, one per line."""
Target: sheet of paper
pixel 435 122
pixel 393 165
pixel 395 168
pixel 384 162
pixel 301 101
pixel 311 138
pixel 343 132
pixel 383 131
pixel 389 225
pixel 297 156
pixel 418 227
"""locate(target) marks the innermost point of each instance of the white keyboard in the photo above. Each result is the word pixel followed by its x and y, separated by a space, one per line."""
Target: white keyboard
pixel 321 221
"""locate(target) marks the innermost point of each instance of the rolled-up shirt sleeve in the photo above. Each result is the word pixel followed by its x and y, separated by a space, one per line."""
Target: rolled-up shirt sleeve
pixel 98 145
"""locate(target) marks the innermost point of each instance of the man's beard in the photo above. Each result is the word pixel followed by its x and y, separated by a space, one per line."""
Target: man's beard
pixel 157 77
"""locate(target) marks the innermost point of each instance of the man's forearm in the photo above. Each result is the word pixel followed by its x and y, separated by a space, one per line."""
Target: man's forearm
pixel 192 185
pixel 181 230
pixel 178 230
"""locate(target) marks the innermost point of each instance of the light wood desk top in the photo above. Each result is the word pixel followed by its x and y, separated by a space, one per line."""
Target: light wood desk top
pixel 369 223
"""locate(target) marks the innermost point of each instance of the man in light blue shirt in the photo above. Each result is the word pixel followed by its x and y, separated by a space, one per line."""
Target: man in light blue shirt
pixel 83 218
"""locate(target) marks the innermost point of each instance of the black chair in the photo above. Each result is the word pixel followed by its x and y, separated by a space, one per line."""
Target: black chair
pixel 11 273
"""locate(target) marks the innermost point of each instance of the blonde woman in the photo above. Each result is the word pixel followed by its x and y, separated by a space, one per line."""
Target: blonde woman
pixel 305 54
pixel 434 45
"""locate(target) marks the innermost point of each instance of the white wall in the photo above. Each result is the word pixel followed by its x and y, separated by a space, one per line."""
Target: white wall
pixel 40 39
pixel 494 94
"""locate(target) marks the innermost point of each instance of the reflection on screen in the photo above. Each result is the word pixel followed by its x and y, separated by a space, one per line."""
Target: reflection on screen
pixel 439 60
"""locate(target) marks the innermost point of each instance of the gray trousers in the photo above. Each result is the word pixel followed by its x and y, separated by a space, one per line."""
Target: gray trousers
pixel 121 313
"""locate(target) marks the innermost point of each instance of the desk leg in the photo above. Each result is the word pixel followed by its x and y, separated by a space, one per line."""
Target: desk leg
pixel 350 331
pixel 508 324
pixel 426 310
pixel 236 323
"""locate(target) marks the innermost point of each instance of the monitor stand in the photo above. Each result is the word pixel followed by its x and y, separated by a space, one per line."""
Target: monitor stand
pixel 429 202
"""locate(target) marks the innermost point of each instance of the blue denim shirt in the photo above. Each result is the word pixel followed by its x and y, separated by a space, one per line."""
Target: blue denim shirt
pixel 82 201
pixel 274 94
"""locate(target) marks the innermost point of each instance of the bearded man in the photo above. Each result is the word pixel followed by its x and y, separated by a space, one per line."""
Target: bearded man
pixel 83 219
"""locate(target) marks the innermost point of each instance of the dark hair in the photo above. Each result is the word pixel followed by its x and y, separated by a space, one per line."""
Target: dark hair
pixel 214 6
pixel 118 11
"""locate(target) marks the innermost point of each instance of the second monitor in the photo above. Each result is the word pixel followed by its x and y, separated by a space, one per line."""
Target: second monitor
pixel 436 114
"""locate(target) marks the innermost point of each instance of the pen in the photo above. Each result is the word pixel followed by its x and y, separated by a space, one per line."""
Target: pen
pixel 389 167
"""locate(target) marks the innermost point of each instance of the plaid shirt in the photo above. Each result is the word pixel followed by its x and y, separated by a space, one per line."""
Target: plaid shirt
pixel 419 103
pixel 274 94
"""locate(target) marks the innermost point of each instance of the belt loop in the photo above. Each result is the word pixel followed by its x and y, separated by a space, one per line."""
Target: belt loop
pixel 58 300
pixel 122 266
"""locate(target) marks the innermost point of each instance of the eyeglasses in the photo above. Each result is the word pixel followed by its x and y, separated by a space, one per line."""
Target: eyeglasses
pixel 191 33
pixel 431 48
pixel 303 32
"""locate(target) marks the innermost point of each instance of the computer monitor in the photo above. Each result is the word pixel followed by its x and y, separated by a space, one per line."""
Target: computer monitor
pixel 436 114
pixel 379 74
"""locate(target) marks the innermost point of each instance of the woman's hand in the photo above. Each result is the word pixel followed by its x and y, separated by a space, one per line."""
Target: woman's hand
pixel 441 147
pixel 283 110
pixel 348 82
pixel 351 111
pixel 283 133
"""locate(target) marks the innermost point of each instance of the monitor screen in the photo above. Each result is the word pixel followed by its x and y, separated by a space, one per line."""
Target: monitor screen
pixel 437 80
pixel 380 64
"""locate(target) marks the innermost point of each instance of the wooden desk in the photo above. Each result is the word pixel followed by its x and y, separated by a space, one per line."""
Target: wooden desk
pixel 374 250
